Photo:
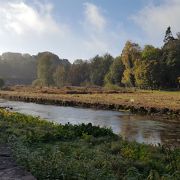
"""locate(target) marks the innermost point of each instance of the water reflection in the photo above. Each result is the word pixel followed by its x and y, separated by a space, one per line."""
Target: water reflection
pixel 131 127
pixel 137 128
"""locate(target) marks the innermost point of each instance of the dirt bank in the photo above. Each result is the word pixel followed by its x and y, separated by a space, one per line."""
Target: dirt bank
pixel 9 170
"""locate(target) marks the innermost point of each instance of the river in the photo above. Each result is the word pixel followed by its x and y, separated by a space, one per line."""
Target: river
pixel 142 129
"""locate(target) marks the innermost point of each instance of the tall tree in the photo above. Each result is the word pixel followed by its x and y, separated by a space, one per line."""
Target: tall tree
pixel 18 68
pixel 1 83
pixel 171 63
pixel 114 76
pixel 79 73
pixel 130 54
pixel 99 67
pixel 47 64
pixel 168 36
pixel 59 76
pixel 147 74
pixel 151 53
pixel 44 70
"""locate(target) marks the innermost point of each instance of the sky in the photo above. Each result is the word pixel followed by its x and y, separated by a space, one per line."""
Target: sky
pixel 81 29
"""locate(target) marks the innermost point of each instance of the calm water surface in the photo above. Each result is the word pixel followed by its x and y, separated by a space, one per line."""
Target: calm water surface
pixel 131 127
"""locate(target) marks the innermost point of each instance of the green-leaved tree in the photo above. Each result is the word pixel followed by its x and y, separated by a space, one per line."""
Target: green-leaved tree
pixel 1 83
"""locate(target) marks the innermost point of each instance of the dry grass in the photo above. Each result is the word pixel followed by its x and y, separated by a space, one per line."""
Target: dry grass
pixel 68 89
pixel 146 99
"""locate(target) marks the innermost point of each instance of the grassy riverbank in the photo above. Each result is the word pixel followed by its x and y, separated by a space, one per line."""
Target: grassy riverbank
pixel 51 151
pixel 151 102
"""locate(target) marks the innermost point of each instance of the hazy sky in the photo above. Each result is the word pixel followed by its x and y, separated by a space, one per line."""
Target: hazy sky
pixel 83 28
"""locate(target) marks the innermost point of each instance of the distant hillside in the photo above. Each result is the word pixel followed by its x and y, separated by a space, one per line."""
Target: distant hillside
pixel 17 68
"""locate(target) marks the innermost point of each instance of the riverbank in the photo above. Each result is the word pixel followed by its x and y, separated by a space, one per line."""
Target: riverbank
pixel 147 102
pixel 51 151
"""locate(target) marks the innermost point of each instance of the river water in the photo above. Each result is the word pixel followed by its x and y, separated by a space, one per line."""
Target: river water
pixel 131 127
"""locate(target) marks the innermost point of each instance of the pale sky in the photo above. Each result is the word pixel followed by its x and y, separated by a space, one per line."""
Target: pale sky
pixel 76 29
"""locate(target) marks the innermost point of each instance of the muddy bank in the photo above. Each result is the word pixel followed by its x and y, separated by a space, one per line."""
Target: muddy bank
pixel 77 102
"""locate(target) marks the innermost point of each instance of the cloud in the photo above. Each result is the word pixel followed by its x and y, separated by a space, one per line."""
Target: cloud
pixel 94 27
pixel 100 37
pixel 94 16
pixel 20 18
pixel 32 28
pixel 154 19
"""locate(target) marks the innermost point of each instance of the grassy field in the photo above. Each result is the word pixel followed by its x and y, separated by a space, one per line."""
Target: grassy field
pixel 138 101
pixel 50 151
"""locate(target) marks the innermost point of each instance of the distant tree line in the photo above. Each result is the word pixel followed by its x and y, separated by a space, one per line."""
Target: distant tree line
pixel 146 68
pixel 16 68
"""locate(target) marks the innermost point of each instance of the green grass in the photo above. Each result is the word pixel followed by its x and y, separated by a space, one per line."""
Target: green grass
pixel 51 151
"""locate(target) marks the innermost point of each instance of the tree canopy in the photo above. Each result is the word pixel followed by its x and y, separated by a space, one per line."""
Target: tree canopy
pixel 147 68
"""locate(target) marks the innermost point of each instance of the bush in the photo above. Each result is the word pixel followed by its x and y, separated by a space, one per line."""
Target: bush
pixel 109 86
pixel 39 82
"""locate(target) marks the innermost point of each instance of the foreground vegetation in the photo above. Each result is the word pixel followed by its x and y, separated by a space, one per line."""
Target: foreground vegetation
pixel 51 151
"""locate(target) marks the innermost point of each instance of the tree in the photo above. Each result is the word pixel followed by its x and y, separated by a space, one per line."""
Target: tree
pixel 39 82
pixel 99 68
pixel 114 76
pixel 59 76
pixel 1 83
pixel 146 74
pixel 47 64
pixel 178 80
pixel 128 78
pixel 44 70
pixel 79 73
pixel 168 36
pixel 150 53
pixel 130 54
pixel 18 68
pixel 170 61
